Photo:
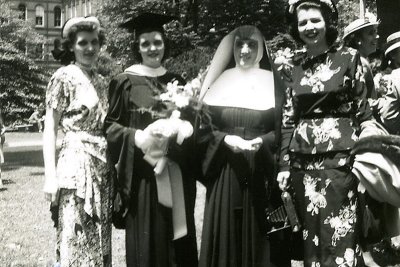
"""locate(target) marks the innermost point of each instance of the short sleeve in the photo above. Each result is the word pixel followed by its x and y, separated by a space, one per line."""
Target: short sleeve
pixel 57 91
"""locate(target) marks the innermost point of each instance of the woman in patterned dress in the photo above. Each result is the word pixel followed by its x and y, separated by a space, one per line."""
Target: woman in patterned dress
pixel 325 112
pixel 80 186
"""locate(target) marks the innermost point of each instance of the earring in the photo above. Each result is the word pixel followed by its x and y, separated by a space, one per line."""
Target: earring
pixel 359 42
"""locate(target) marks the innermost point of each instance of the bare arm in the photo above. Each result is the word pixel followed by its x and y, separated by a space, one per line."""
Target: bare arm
pixel 49 153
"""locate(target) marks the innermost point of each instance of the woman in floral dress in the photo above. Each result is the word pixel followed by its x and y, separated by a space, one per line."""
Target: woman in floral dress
pixel 80 186
pixel 325 112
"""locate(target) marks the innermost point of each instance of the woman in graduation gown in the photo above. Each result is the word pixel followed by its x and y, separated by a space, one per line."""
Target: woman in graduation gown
pixel 156 233
pixel 238 159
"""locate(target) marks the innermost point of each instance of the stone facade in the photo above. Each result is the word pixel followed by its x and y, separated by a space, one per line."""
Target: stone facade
pixel 48 17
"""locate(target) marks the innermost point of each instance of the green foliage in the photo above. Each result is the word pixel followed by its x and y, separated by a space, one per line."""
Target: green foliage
pixel 22 81
pixel 22 84
pixel 226 15
pixel 204 23
pixel 190 62
pixel 349 10
pixel 107 66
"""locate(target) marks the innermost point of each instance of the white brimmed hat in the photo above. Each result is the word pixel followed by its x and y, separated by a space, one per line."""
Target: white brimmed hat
pixel 358 24
pixel 77 21
pixel 392 42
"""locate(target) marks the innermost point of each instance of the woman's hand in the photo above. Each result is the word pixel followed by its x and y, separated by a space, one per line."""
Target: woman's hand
pixel 255 144
pixel 50 189
pixel 283 178
pixel 238 144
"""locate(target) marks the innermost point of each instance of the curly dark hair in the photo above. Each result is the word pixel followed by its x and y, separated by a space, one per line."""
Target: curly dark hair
pixel 135 49
pixel 329 13
pixel 69 56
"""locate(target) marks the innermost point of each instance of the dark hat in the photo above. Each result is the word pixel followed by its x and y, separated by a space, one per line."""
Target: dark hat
pixel 145 22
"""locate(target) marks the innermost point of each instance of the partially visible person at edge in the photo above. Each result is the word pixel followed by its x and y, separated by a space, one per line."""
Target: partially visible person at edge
pixel 158 232
pixel 325 112
pixel 388 110
pixel 79 186
pixel 238 147
pixel 2 140
pixel 362 34
pixel 388 105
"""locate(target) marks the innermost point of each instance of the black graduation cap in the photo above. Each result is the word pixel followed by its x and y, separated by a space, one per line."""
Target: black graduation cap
pixel 147 21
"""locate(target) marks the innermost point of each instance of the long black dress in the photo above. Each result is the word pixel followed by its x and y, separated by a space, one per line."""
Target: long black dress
pixel 234 231
pixel 148 224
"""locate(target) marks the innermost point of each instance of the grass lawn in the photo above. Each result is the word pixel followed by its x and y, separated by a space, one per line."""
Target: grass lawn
pixel 27 236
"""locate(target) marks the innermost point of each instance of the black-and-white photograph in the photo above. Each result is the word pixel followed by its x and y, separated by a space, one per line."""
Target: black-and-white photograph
pixel 210 133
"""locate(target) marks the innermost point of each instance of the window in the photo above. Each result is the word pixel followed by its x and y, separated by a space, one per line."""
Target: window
pixel 73 8
pixel 22 10
pixel 89 7
pixel 39 16
pixel 38 52
pixel 57 17
pixel 85 13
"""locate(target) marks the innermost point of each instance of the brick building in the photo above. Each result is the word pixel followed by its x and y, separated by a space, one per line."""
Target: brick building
pixel 48 17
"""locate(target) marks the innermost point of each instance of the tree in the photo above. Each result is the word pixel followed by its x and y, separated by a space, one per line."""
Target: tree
pixel 197 35
pixel 22 82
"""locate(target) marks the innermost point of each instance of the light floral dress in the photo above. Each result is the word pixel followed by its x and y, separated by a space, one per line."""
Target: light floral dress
pixel 84 177
pixel 321 121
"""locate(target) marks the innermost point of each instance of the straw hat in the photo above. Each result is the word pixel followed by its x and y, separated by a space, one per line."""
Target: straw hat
pixel 77 21
pixel 358 24
pixel 392 42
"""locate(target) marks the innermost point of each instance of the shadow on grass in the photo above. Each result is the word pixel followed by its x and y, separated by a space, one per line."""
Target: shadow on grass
pixel 36 173
pixel 31 157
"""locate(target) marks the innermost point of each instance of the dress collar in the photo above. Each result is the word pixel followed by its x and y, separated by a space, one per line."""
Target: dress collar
pixel 302 58
pixel 142 70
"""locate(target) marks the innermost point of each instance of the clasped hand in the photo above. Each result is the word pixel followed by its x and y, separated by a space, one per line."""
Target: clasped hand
pixel 238 144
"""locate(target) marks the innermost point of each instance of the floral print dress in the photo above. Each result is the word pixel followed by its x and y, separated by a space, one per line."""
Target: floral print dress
pixel 322 118
pixel 84 208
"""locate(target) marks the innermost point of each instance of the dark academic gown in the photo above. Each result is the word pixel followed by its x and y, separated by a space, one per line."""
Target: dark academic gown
pixel 148 224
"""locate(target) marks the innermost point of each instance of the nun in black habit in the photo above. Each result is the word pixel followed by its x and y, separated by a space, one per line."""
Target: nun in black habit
pixel 155 209
pixel 243 95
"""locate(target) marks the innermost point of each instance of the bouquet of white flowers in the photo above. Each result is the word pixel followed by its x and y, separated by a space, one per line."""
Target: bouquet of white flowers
pixel 175 109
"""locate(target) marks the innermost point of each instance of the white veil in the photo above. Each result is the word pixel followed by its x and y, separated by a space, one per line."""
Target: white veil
pixel 246 88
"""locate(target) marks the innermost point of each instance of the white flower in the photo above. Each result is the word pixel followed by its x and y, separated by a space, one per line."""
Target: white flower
pixel 181 101
pixel 339 261
pixel 316 241
pixel 305 234
pixel 302 130
pixel 342 162
pixel 349 255
pixel 196 84
pixel 350 194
